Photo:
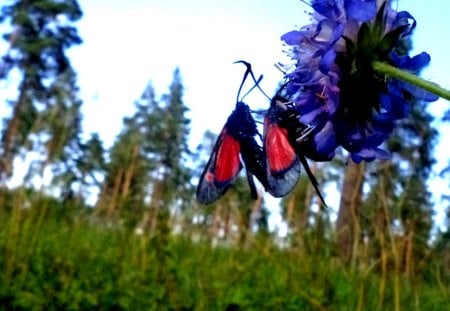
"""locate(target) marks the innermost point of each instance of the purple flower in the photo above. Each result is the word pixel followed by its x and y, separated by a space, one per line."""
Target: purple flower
pixel 333 87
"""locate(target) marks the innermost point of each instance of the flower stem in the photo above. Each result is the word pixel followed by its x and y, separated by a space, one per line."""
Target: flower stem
pixel 406 76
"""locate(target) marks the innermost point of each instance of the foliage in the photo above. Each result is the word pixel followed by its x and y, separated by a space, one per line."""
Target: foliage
pixel 45 114
pixel 79 265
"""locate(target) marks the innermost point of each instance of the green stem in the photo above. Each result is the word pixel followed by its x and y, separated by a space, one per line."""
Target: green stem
pixel 406 76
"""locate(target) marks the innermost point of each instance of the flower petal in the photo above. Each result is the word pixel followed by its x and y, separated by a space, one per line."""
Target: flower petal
pixel 327 8
pixel 293 37
pixel 361 10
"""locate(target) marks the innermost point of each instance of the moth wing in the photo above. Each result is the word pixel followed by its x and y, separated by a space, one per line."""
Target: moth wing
pixel 283 165
pixel 221 170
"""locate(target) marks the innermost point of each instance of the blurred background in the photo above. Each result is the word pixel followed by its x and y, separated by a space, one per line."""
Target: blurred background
pixel 109 113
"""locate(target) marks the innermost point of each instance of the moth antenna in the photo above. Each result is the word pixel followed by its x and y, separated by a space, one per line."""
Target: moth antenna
pixel 256 85
pixel 257 81
pixel 247 71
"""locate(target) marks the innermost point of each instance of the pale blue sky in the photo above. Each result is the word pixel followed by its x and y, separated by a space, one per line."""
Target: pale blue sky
pixel 128 43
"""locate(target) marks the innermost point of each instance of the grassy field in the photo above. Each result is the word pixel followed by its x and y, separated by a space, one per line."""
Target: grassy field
pixel 49 261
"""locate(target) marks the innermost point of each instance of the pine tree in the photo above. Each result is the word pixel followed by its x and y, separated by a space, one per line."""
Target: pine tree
pixel 148 161
pixel 168 149
pixel 417 138
pixel 80 170
pixel 41 33
pixel 127 173
pixel 295 210
pixel 441 249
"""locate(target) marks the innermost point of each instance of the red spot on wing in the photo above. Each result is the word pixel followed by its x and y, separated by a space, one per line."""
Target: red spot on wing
pixel 279 152
pixel 228 163
pixel 209 177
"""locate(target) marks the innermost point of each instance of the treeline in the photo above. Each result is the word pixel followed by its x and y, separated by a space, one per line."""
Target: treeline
pixel 146 189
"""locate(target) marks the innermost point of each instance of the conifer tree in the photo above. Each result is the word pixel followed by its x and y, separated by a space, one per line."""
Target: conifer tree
pixel 168 149
pixel 42 31
pixel 147 161
pixel 80 169
pixel 399 200
pixel 127 173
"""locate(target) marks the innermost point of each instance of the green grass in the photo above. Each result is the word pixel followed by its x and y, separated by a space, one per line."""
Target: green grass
pixel 58 263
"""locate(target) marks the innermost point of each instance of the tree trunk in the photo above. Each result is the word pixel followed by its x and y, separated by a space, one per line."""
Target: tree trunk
pixel 408 248
pixel 297 211
pixel 10 134
pixel 347 224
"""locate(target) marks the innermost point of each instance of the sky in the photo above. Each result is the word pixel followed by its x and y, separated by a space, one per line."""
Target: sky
pixel 127 44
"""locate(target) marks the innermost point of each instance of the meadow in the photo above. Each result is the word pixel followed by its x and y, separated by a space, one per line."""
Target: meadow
pixel 54 258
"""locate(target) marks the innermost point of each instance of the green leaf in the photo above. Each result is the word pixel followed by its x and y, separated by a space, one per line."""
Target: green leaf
pixel 389 42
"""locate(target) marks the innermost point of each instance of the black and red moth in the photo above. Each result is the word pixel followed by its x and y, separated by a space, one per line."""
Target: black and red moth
pixel 276 165
pixel 284 140
pixel 236 140
pixel 282 163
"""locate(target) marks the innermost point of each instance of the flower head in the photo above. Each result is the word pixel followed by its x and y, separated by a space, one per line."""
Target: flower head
pixel 334 87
